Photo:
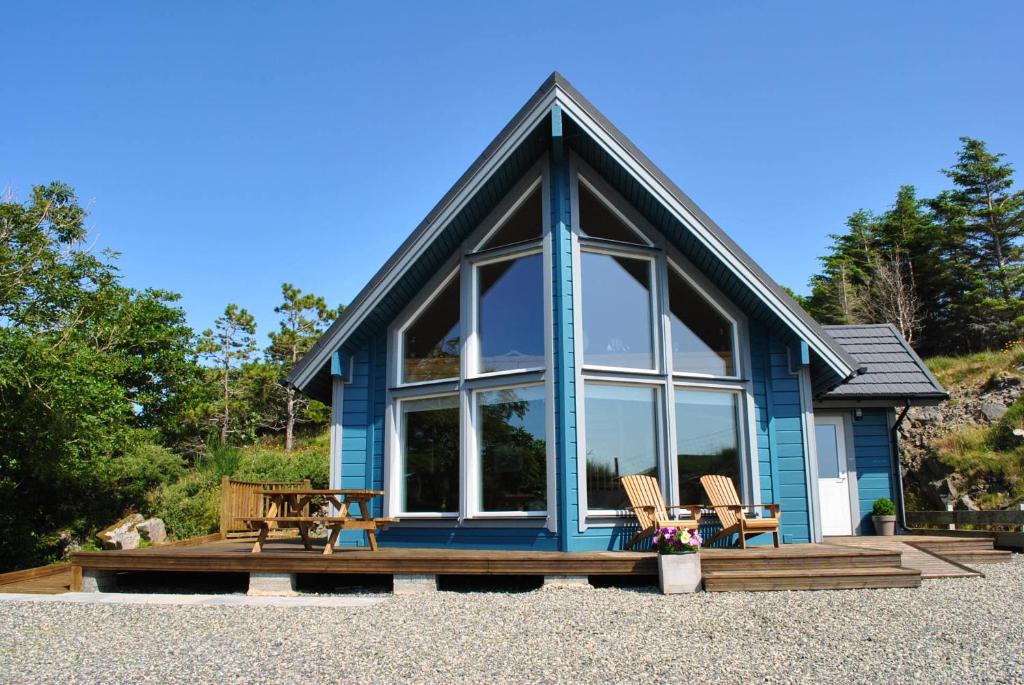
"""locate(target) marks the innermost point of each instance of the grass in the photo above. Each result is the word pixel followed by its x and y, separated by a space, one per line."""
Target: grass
pixel 978 368
pixel 990 458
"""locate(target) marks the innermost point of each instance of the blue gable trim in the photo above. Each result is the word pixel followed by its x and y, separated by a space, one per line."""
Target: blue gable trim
pixel 564 345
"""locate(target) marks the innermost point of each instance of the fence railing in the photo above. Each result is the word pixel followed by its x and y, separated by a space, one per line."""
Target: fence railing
pixel 240 500
pixel 952 520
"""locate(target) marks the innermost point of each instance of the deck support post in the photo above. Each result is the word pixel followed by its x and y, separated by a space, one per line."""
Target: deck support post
pixel 271 584
pixel 567 583
pixel 94 580
pixel 414 584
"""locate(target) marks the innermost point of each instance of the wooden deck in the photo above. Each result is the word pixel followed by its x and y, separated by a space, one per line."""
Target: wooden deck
pixel 840 563
pixel 796 566
pixel 288 556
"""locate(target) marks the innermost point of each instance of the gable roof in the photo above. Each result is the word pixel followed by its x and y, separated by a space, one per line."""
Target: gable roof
pixel 892 370
pixel 517 145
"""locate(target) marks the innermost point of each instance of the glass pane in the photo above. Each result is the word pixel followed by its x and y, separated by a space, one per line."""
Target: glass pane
pixel 431 343
pixel 430 437
pixel 826 439
pixel 526 223
pixel 701 337
pixel 597 220
pixel 511 314
pixel 616 311
pixel 513 461
pixel 621 440
pixel 707 440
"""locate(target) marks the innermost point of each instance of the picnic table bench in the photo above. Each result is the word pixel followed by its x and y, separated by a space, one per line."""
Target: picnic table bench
pixel 284 509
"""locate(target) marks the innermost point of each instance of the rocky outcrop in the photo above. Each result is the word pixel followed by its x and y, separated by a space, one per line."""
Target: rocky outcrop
pixel 969 406
pixel 129 532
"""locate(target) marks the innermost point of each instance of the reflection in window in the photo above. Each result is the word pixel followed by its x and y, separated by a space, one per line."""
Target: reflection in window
pixel 513 471
pixel 430 441
pixel 511 314
pixel 430 344
pixel 621 440
pixel 826 437
pixel 701 336
pixel 597 220
pixel 707 439
pixel 526 223
pixel 616 311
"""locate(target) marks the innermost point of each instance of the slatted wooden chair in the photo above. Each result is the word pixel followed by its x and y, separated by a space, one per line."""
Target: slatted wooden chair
pixel 733 515
pixel 649 506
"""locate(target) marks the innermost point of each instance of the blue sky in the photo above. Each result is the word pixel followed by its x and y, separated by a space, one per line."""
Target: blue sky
pixel 224 148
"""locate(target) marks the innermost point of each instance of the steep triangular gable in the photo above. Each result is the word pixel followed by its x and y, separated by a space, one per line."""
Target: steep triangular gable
pixel 520 144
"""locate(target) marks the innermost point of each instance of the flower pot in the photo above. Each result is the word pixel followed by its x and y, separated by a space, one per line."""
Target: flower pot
pixel 884 525
pixel 679 573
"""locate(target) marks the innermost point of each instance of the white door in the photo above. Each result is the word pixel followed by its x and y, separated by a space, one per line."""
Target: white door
pixel 833 478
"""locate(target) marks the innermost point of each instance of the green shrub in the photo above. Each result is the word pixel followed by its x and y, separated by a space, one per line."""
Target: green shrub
pixel 145 467
pixel 274 465
pixel 190 507
pixel 883 507
pixel 220 460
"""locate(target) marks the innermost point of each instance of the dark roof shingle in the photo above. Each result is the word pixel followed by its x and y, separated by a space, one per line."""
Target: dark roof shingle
pixel 892 370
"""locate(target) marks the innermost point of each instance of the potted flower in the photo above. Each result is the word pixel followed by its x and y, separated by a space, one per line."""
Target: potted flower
pixel 678 560
pixel 883 515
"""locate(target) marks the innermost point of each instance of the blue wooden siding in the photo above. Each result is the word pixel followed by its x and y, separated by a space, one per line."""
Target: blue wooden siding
pixel 780 439
pixel 873 457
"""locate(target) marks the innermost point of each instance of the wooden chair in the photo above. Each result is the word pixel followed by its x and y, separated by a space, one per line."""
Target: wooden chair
pixel 649 506
pixel 733 515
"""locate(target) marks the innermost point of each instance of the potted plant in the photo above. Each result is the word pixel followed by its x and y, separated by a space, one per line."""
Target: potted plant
pixel 678 560
pixel 883 515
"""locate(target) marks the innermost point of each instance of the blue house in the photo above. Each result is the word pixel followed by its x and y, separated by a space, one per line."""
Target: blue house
pixel 566 315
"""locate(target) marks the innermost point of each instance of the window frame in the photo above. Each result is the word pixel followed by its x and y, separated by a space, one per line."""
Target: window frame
pixel 399 489
pixel 658 386
pixel 473 485
pixel 464 262
pixel 665 257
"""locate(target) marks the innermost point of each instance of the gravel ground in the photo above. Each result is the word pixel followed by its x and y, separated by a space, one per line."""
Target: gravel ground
pixel 949 631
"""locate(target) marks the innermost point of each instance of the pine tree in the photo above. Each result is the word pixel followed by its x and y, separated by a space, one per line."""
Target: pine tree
pixel 228 346
pixel 983 221
pixel 304 317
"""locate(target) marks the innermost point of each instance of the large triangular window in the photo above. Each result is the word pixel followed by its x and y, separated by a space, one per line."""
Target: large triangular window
pixel 525 223
pixel 431 343
pixel 702 338
pixel 598 220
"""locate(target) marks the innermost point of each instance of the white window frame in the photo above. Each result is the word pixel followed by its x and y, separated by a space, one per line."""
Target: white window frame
pixel 664 257
pixel 464 262
pixel 659 387
pixel 398 487
pixel 473 486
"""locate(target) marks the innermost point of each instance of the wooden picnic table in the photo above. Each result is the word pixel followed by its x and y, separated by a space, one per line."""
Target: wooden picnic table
pixel 286 507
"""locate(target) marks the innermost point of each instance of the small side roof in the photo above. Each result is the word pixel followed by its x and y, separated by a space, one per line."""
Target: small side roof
pixel 891 370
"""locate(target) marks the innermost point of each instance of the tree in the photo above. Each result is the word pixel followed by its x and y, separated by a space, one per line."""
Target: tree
pixel 228 346
pixel 984 221
pixel 89 370
pixel 304 317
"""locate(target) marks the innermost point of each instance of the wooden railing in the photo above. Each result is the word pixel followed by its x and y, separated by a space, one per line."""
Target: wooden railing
pixel 1005 526
pixel 951 520
pixel 239 500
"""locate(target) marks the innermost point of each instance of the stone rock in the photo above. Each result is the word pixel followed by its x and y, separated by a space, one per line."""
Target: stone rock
pixel 153 530
pixel 1001 381
pixel 67 544
pixel 929 415
pixel 993 411
pixel 968 503
pixel 123 534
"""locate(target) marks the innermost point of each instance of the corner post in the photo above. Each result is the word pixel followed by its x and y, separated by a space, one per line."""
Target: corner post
pixel 340 374
pixel 562 296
